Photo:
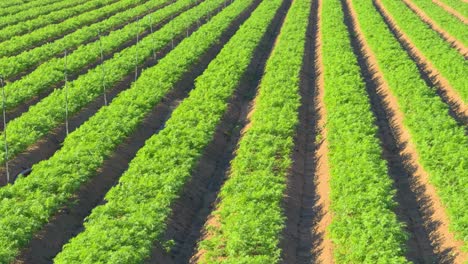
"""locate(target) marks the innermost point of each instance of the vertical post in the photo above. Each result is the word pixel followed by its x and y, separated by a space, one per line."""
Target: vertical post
pixel 5 129
pixel 136 50
pixel 172 40
pixel 65 76
pixel 103 75
pixel 152 36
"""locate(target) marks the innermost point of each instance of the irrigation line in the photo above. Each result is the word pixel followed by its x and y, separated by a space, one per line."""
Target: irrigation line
pixel 4 128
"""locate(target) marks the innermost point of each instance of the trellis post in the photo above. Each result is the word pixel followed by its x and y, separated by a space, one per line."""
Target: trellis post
pixel 5 128
pixel 103 70
pixel 65 77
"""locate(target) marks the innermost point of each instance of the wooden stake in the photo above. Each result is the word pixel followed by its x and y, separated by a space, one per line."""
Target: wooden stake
pixel 136 50
pixel 5 128
pixel 65 76
pixel 103 75
pixel 152 36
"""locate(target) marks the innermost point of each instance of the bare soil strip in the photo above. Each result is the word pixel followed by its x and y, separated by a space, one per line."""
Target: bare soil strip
pixel 428 71
pixel 307 197
pixel 321 155
pixel 47 146
pixel 422 195
pixel 458 45
pixel 199 197
pixel 452 11
pixel 68 222
pixel 24 107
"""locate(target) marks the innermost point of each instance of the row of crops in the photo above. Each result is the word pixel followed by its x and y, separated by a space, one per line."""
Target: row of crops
pixel 72 42
pixel 14 43
pixel 58 57
pixel 438 139
pixel 49 112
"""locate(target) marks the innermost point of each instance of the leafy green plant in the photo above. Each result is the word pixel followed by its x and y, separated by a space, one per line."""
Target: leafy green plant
pixel 250 214
pixel 27 205
pixel 137 208
pixel 438 139
pixel 449 23
pixel 455 4
pixel 50 111
pixel 364 227
pixel 15 6
pixel 38 11
pixel 14 43
pixel 14 65
pixel 451 64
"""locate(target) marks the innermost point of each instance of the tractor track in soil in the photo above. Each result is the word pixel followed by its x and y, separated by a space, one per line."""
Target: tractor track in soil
pixel 307 197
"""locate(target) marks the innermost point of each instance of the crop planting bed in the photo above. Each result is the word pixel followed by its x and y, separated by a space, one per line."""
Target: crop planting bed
pixel 234 131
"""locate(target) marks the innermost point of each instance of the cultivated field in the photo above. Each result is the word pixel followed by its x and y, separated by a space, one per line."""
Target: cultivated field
pixel 234 131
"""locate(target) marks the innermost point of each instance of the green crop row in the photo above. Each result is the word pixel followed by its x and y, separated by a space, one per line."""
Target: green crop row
pixel 37 11
pixel 449 23
pixel 12 3
pixel 136 210
pixel 250 212
pixel 439 141
pixel 364 227
pixel 85 54
pixel 451 64
pixel 49 112
pixel 53 181
pixel 14 43
pixel 457 5
pixel 15 6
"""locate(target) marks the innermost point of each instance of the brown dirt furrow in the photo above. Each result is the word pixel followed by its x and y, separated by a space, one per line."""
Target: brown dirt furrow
pixel 458 45
pixel 68 222
pixel 307 197
pixel 449 95
pixel 323 174
pixel 452 11
pixel 46 146
pixel 434 217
